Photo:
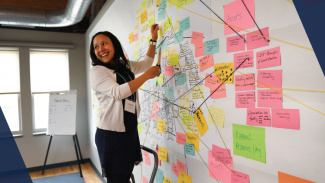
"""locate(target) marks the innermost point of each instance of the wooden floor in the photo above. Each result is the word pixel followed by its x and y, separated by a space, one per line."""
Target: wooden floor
pixel 88 172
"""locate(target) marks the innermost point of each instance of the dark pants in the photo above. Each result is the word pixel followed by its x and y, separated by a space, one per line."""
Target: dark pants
pixel 119 178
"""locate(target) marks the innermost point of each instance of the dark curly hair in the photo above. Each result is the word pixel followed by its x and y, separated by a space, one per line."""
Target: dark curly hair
pixel 121 63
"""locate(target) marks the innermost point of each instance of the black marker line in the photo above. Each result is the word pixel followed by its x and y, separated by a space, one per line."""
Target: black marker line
pixel 223 20
pixel 221 84
pixel 255 22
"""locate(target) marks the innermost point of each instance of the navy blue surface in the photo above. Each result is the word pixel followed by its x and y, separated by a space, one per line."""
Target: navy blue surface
pixel 66 178
pixel 12 166
pixel 311 13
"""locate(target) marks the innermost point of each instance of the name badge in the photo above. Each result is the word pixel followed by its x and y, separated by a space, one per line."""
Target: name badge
pixel 129 106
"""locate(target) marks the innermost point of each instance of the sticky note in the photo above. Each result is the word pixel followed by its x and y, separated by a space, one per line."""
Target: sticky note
pixel 199 49
pixel 236 43
pixel 268 58
pixel 223 155
pixel 144 28
pixel 161 14
pixel 153 82
pixel 144 17
pixel 269 98
pixel 159 176
pixel 193 139
pixel 178 37
pixel 137 45
pixel 135 37
pixel 139 9
pixel 245 99
pixel 168 70
pixel 173 59
pixel 169 92
pixel 183 110
pixel 151 22
pixel 269 78
pixel 249 142
pixel 163 154
pixel 176 26
pixel 219 92
pixel 211 47
pixel 286 118
pixel 285 178
pixel 160 79
pixel 136 54
pixel 238 177
pixel 136 27
pixel 197 92
pixel 164 45
pixel 161 126
pixel 185 99
pixel 151 13
pixel 237 16
pixel 191 127
pixel 175 169
pixel 184 178
pixel 206 62
pixel 190 1
pixel 184 24
pixel 216 116
pixel 245 82
pixel 144 179
pixel 147 160
pixel 180 138
pixel 218 170
pixel 224 72
pixel 189 149
pixel 149 3
pixel 131 37
pixel 186 118
pixel 180 4
pixel 181 166
pixel 200 121
pixel 256 40
pixel 167 24
pixel 181 79
pixel 166 180
pixel 239 60
pixel 211 81
pixel 258 117
pixel 197 37
pixel 140 128
pixel 144 4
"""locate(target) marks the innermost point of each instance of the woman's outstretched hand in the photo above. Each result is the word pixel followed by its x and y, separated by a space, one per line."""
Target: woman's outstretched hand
pixel 154 32
pixel 152 72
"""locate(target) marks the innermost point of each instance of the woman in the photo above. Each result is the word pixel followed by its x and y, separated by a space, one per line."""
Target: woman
pixel 112 77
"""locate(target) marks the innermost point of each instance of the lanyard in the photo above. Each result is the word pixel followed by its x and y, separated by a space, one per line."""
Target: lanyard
pixel 133 94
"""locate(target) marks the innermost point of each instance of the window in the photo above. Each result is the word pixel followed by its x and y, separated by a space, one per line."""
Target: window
pixel 49 71
pixel 10 89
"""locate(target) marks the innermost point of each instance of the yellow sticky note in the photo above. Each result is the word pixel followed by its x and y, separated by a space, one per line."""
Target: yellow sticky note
pixel 173 59
pixel 193 139
pixel 183 110
pixel 180 4
pixel 151 13
pixel 160 79
pixel 157 2
pixel 151 22
pixel 136 54
pixel 166 180
pixel 184 178
pixel 223 71
pixel 150 3
pixel 185 99
pixel 140 128
pixel 144 4
pixel 142 86
pixel 163 154
pixel 131 37
pixel 139 10
pixel 172 51
pixel 201 122
pixel 171 2
pixel 136 27
pixel 167 24
pixel 176 25
pixel 144 17
pixel 216 116
pixel 144 28
pixel 186 118
pixel 190 1
pixel 197 92
pixel 164 53
pixel 161 126
pixel 192 128
pixel 138 19
pixel 160 33
pixel 142 38
pixel 137 45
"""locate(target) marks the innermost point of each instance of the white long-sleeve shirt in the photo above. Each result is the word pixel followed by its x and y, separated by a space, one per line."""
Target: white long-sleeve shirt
pixel 110 94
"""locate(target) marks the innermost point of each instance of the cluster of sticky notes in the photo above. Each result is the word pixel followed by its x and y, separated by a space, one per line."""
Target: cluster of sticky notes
pixel 217 89
pixel 177 168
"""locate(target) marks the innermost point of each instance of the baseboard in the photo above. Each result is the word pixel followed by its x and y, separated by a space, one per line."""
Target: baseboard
pixel 97 172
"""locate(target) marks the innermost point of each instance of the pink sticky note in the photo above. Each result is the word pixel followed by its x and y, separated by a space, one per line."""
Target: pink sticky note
pixel 218 170
pixel 245 82
pixel 135 37
pixel 175 169
pixel 169 71
pixel 145 153
pixel 181 166
pixel 238 177
pixel 154 115
pixel 180 138
pixel 145 180
pixel 240 57
pixel 206 62
pixel 286 118
pixel 155 107
pixel 211 81
pixel 237 16
pixel 269 78
pixel 245 99
pixel 197 38
pixel 199 49
pixel 223 155
pixel 147 160
pixel 258 117
pixel 269 98
pixel 268 58
pixel 219 92
pixel 235 43
pixel 256 40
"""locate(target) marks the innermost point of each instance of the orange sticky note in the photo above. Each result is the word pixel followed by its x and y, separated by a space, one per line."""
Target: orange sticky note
pixel 285 178
pixel 193 139
pixel 131 37
pixel 161 126
pixel 144 17
pixel 201 122
pixel 163 154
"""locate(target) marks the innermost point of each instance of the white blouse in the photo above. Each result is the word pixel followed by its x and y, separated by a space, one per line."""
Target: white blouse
pixel 110 94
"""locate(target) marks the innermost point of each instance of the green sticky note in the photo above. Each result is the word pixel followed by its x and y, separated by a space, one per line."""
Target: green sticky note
pixel 186 118
pixel 173 59
pixel 184 24
pixel 144 4
pixel 167 24
pixel 211 47
pixel 169 92
pixel 160 79
pixel 249 142
pixel 190 1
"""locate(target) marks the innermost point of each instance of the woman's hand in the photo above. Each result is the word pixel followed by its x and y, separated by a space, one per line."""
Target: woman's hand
pixel 152 72
pixel 154 32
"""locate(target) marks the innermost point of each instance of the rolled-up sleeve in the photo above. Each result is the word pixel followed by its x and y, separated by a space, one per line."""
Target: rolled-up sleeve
pixel 102 80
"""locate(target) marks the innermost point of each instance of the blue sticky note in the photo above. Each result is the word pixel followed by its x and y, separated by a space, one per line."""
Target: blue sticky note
pixel 164 45
pixel 211 47
pixel 178 37
pixel 184 24
pixel 181 79
pixel 153 82
pixel 161 14
pixel 159 176
pixel 169 92
pixel 189 149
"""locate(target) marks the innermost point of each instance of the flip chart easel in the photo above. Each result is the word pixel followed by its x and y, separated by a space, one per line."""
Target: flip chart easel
pixel 62 119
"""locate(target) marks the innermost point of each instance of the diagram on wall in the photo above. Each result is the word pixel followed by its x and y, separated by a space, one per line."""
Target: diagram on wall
pixel 237 99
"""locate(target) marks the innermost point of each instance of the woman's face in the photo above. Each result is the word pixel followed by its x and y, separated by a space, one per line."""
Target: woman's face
pixel 104 49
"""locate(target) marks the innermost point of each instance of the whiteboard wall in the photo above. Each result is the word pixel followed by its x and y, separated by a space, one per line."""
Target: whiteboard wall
pixel 62 113
pixel 295 152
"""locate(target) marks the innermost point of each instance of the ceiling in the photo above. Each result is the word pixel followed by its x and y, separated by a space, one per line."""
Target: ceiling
pixel 54 5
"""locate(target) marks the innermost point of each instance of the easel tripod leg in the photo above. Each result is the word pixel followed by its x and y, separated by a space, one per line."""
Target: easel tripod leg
pixel 75 146
pixel 47 153
pixel 82 160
